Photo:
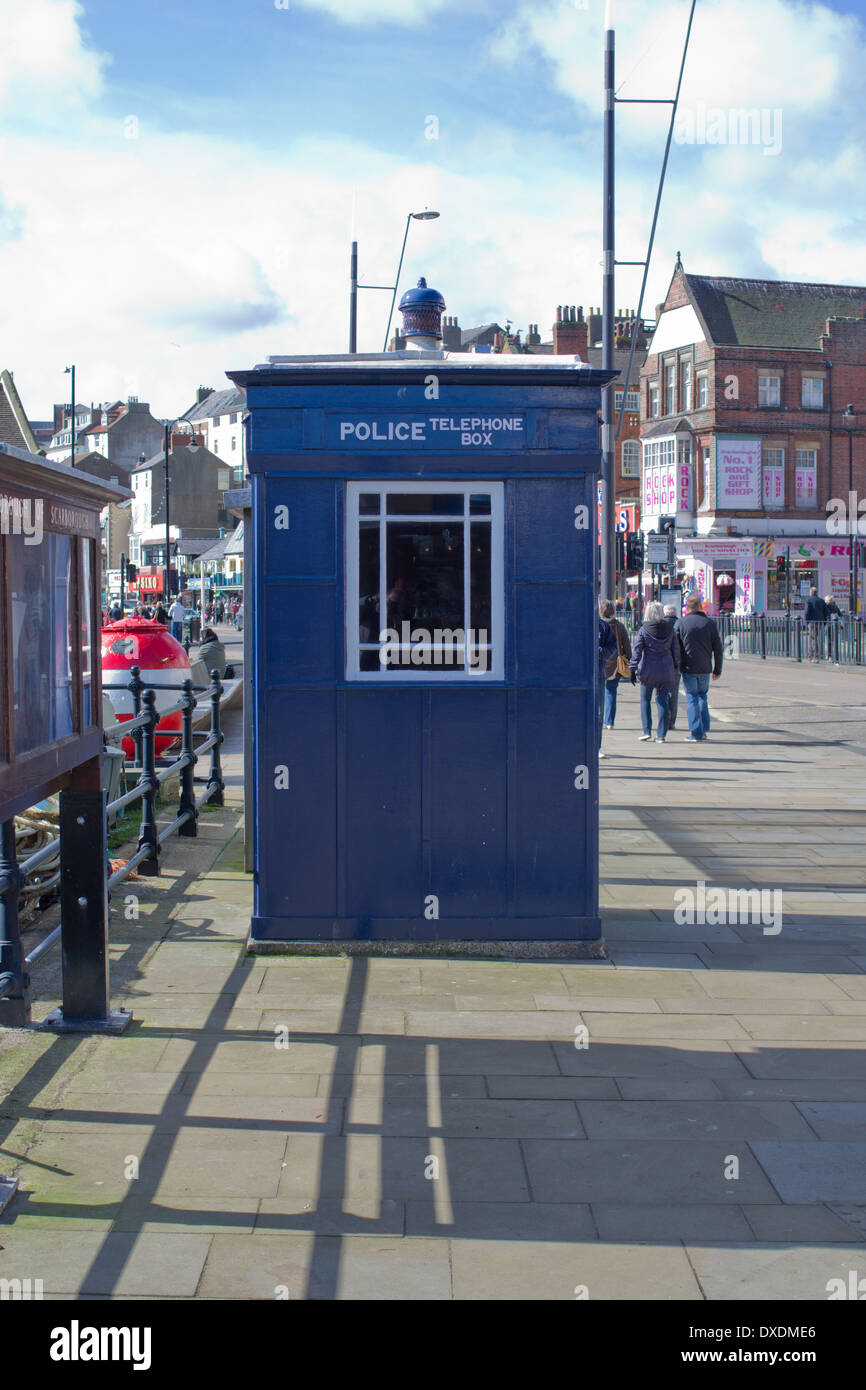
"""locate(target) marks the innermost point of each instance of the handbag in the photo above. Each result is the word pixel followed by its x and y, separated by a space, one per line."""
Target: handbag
pixel 622 666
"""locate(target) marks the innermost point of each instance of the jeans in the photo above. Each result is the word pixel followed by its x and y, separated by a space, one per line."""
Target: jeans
pixel 663 705
pixel 696 687
pixel 610 700
pixel 675 702
pixel 177 631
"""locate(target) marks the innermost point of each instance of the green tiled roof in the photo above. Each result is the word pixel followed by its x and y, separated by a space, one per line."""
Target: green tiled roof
pixel 771 313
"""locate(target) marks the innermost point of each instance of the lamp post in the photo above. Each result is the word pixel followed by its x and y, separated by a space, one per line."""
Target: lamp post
pixel 71 370
pixel 425 216
pixel 848 419
pixel 166 442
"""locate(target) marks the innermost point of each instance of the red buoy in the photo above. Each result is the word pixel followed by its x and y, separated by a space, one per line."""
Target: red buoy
pixel 162 661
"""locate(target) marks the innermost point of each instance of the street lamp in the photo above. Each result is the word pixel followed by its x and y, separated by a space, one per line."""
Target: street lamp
pixel 67 370
pixel 425 216
pixel 849 419
pixel 166 441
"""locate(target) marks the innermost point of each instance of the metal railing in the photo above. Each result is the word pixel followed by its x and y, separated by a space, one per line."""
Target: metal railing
pixel 839 641
pixel 15 979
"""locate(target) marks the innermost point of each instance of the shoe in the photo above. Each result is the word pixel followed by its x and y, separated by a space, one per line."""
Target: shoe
pixel 659 740
pixel 608 726
pixel 601 755
pixel 646 738
pixel 692 740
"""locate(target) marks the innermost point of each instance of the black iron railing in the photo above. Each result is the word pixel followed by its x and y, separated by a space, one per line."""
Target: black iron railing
pixel 14 976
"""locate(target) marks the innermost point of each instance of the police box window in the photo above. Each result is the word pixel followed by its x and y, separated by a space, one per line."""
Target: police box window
pixel 425 578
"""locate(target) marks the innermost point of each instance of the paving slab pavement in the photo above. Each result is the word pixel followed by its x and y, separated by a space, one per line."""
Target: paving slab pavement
pixel 683 1120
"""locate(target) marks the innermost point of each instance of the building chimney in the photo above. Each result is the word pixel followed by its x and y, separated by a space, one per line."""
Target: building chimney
pixel 569 333
pixel 451 339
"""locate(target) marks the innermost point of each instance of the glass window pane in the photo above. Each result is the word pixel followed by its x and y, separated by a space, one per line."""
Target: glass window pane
pixel 479 582
pixel 479 504
pixel 369 661
pixel 41 678
pixel 87 717
pixel 425 579
pixel 368 582
pixel 425 504
pixel 368 504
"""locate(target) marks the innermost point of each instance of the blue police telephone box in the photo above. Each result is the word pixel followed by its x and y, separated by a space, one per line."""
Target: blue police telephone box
pixel 425 653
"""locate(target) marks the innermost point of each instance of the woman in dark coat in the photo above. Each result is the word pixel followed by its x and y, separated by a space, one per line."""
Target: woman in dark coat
pixel 655 662
pixel 623 648
pixel 212 652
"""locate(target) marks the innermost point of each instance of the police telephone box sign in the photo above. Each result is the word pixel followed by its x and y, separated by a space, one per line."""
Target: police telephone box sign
pixel 436 432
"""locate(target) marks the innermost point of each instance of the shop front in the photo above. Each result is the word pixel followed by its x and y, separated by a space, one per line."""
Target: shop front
pixel 758 575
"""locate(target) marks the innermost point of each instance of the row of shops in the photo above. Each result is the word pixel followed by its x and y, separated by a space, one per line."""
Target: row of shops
pixel 761 575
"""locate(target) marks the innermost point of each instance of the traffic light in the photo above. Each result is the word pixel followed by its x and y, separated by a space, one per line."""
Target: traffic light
pixel 667 525
pixel 620 551
pixel 634 551
pixel 781 565
pixel 131 572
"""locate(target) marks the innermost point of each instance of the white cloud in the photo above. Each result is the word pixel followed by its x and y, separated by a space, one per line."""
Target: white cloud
pixel 153 281
pixel 406 12
pixel 44 62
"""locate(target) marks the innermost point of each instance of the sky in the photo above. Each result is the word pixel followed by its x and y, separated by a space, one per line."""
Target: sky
pixel 180 184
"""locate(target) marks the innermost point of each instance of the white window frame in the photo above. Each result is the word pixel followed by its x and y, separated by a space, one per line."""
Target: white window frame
pixel 763 378
pixel 688 386
pixel 654 400
pixel 703 390
pixel 670 387
pixel 633 471
pixel 809 382
pixel 392 677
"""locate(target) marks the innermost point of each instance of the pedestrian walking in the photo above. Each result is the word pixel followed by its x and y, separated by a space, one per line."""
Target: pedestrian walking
pixel 655 662
pixel 239 622
pixel 817 617
pixel 672 615
pixel 160 613
pixel 700 661
pixel 616 666
pixel 606 652
pixel 176 616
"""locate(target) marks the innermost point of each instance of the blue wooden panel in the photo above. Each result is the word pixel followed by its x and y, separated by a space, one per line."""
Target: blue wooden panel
pixel 572 429
pixel 554 732
pixel 296 849
pixel 547 546
pixel 383 862
pixel 267 928
pixel 471 463
pixel 454 395
pixel 280 430
pixel 550 635
pixel 466 804
pixel 297 632
pixel 308 546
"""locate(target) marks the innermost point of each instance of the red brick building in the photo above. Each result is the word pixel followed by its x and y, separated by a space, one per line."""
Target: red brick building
pixel 745 435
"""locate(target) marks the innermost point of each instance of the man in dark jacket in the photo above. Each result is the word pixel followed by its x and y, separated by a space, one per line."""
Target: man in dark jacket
pixel 817 614
pixel 701 660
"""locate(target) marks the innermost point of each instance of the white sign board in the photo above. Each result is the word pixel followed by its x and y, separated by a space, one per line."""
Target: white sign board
pixel 738 474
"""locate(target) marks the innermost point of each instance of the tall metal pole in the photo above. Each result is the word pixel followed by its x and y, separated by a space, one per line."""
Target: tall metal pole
pixel 71 370
pixel 608 542
pixel 397 282
pixel 353 299
pixel 852 527
pixel 165 448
